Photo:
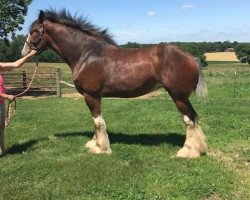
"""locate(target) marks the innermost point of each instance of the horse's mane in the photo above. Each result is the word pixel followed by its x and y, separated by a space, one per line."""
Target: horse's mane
pixel 79 22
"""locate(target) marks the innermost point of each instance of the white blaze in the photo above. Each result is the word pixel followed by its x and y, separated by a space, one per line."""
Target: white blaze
pixel 26 49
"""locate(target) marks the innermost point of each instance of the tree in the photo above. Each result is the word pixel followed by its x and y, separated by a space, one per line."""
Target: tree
pixel 132 45
pixel 242 52
pixel 12 14
pixel 5 51
pixel 196 51
pixel 16 46
pixel 11 51
pixel 49 56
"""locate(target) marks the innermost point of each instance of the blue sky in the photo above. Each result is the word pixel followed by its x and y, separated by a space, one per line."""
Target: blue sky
pixel 154 21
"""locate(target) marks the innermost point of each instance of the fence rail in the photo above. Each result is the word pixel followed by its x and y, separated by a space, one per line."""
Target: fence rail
pixel 47 80
pixel 234 80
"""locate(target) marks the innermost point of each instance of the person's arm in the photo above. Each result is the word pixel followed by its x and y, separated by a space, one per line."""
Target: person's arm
pixel 7 96
pixel 7 66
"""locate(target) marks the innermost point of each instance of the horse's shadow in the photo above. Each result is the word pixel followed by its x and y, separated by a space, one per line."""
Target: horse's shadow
pixel 174 139
pixel 20 148
pixel 145 139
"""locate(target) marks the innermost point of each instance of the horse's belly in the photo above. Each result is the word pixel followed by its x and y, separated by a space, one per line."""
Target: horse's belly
pixel 128 92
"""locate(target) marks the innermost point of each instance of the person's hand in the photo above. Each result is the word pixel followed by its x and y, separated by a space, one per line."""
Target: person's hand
pixel 10 97
pixel 32 53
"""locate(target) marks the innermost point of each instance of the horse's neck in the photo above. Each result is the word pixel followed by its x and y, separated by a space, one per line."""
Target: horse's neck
pixel 74 46
pixel 64 43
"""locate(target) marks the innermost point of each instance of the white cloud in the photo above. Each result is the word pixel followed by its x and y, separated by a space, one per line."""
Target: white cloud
pixel 188 6
pixel 151 13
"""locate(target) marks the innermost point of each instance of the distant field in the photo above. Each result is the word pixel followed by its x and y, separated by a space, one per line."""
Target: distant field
pixel 221 56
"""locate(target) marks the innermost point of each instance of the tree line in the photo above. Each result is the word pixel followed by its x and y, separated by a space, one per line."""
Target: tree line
pixel 198 49
pixel 10 50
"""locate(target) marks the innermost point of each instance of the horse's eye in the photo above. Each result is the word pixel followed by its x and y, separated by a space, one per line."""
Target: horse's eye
pixel 34 31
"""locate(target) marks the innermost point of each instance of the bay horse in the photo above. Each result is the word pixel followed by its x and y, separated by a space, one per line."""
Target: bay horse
pixel 101 69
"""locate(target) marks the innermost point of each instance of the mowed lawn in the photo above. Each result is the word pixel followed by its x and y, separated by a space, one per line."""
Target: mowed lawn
pixel 46 158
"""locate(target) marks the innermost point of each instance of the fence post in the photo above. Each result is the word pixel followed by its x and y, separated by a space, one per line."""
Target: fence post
pixel 235 73
pixel 24 76
pixel 58 84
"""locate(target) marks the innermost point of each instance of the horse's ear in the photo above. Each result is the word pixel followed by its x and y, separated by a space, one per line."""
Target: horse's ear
pixel 41 16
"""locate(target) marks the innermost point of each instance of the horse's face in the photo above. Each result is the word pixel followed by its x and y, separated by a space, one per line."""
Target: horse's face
pixel 37 38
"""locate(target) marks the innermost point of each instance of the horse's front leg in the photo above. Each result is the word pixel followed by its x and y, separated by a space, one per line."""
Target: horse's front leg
pixel 100 142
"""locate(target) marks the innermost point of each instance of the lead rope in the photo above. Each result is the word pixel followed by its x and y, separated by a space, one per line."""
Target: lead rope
pixel 9 108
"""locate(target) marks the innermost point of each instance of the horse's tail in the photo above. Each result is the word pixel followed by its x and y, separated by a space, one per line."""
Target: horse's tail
pixel 201 88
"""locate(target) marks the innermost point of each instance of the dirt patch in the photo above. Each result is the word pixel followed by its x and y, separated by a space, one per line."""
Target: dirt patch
pixel 32 97
pixel 77 95
pixel 213 197
pixel 72 95
pixel 146 96
pixel 150 95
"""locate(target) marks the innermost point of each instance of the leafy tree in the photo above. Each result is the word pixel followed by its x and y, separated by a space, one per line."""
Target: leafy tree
pixel 12 14
pixel 196 51
pixel 243 52
pixel 132 45
pixel 11 51
pixel 16 46
pixel 50 56
pixel 5 51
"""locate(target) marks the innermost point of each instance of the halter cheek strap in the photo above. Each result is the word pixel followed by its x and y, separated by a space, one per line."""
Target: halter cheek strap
pixel 32 46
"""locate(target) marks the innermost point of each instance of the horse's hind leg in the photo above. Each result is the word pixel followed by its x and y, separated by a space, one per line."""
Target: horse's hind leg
pixel 100 142
pixel 195 143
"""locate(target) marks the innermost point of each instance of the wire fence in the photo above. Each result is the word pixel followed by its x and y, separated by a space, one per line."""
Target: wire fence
pixel 233 82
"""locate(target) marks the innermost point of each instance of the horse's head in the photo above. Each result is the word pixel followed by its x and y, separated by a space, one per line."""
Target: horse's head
pixel 37 38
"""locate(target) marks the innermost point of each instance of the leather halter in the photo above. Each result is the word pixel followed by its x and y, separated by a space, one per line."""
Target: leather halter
pixel 33 46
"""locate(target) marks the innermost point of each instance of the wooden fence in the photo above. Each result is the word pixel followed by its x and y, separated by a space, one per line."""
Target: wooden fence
pixel 47 80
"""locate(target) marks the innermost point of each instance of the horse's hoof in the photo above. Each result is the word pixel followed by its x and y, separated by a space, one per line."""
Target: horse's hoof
pixel 187 153
pixel 98 150
pixel 90 144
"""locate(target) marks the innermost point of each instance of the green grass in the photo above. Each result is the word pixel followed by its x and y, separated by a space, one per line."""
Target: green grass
pixel 46 158
pixel 222 62
pixel 226 64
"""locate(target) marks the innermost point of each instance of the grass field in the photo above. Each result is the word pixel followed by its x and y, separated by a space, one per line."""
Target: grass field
pixel 46 158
